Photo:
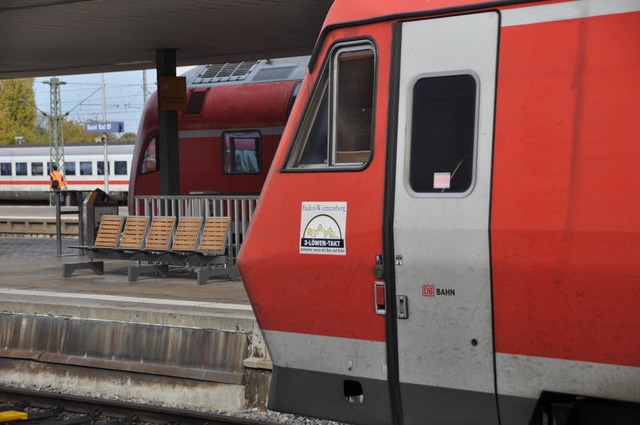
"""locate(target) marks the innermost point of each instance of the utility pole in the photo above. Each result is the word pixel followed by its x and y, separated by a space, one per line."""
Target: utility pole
pixel 56 136
pixel 145 93
pixel 104 139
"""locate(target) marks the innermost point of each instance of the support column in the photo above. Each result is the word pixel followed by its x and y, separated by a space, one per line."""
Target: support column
pixel 168 160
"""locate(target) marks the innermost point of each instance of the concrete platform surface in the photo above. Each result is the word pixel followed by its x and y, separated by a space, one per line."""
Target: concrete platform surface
pixel 168 342
pixel 27 262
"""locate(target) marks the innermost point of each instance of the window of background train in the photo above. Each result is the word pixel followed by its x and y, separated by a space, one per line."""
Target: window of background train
pixel 149 160
pixel 443 134
pixel 120 168
pixel 70 168
pixel 86 168
pixel 5 168
pixel 100 167
pixel 337 128
pixel 241 152
pixel 21 168
pixel 36 169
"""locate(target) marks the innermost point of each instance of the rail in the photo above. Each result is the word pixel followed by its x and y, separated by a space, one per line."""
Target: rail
pixel 239 208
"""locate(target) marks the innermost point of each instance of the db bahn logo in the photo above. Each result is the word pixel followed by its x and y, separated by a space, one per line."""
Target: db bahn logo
pixel 432 291
pixel 428 290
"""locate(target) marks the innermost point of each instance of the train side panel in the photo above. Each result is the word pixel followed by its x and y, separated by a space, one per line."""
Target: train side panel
pixel 565 234
pixel 543 305
pixel 24 174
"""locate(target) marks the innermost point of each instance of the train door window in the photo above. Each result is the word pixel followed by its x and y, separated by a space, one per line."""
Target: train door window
pixel 36 169
pixel 338 125
pixel 150 160
pixel 86 168
pixel 443 134
pixel 21 168
pixel 70 168
pixel 241 152
pixel 5 168
pixel 120 168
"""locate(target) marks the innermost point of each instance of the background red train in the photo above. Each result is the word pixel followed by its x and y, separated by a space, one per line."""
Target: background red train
pixel 229 133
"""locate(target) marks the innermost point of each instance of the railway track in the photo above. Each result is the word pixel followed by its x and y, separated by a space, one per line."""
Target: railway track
pixel 58 409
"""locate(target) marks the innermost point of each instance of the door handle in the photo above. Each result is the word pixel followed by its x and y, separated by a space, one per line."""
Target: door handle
pixel 379 297
pixel 402 306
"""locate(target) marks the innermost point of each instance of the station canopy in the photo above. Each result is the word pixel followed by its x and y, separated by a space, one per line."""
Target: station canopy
pixel 62 37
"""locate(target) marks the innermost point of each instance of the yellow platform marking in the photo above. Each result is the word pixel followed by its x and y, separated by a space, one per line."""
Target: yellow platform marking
pixel 13 415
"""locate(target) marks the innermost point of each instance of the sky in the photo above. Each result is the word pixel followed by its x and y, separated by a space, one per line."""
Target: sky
pixel 82 95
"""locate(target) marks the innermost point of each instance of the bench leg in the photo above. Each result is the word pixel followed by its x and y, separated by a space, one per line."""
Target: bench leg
pixel 205 274
pixel 96 266
pixel 135 272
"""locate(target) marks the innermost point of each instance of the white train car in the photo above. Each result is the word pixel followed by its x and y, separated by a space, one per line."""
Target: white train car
pixel 24 170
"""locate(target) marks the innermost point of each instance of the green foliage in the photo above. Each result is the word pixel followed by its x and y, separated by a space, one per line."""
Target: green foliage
pixel 128 137
pixel 17 110
pixel 19 117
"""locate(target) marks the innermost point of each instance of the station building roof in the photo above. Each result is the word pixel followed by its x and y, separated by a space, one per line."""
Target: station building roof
pixel 62 37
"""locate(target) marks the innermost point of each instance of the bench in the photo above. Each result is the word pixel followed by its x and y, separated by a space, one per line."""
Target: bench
pixel 107 240
pixel 196 243
pixel 197 246
pixel 210 253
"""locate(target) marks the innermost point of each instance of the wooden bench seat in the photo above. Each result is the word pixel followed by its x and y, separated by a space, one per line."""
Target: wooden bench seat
pixel 158 243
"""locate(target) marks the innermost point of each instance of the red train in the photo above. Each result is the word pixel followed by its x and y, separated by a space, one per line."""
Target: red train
pixel 450 232
pixel 228 135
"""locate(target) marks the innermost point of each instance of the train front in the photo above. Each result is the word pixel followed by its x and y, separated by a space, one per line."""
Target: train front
pixel 314 241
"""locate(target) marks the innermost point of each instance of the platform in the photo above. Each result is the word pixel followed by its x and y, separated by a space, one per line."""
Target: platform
pixel 158 341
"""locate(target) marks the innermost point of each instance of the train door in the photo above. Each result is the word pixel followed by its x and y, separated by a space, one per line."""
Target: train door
pixel 441 198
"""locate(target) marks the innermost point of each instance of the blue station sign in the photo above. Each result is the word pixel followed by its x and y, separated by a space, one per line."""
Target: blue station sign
pixel 105 127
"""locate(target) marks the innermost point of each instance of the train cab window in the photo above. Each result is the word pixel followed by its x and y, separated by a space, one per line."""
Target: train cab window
pixel 241 152
pixel 36 169
pixel 443 134
pixel 120 168
pixel 70 168
pixel 150 160
pixel 5 168
pixel 86 168
pixel 21 168
pixel 337 128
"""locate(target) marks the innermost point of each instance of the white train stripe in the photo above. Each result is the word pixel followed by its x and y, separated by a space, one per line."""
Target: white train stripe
pixel 527 376
pixel 342 356
pixel 126 299
pixel 569 10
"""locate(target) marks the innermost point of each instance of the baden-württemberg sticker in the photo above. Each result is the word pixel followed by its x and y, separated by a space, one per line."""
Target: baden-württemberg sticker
pixel 323 227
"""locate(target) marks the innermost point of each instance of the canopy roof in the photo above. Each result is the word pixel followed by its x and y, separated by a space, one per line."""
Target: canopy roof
pixel 61 37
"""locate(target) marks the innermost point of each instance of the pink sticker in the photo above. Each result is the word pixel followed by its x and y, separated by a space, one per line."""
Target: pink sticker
pixel 441 180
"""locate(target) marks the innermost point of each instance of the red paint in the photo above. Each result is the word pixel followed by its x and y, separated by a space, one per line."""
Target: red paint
pixel 71 181
pixel 241 106
pixel 270 260
pixel 565 229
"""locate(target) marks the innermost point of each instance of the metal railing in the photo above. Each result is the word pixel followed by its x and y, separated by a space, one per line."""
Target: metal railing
pixel 238 208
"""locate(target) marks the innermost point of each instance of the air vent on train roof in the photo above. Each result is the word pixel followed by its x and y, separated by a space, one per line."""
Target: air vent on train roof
pixel 269 74
pixel 235 71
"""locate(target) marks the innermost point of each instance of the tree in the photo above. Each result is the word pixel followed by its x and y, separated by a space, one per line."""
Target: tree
pixel 17 110
pixel 128 137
